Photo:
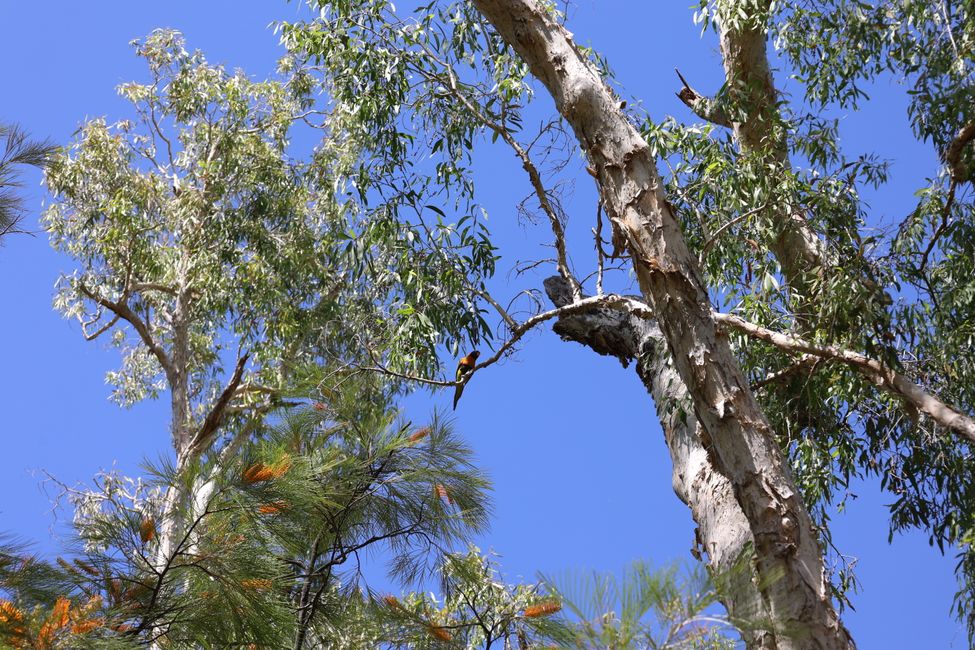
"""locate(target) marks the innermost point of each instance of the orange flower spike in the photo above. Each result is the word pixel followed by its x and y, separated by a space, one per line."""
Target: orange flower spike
pixel 256 584
pixel 439 632
pixel 392 601
pixel 114 589
pixel 9 613
pixel 60 612
pixel 281 467
pixel 147 530
pixel 420 434
pixel 256 473
pixel 272 508
pixel 56 621
pixel 259 472
pixel 318 406
pixel 87 568
pixel 542 609
pixel 83 627
pixel 440 491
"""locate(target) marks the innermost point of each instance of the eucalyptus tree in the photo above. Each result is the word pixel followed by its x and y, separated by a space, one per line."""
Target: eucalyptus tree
pixel 18 149
pixel 211 257
pixel 196 254
pixel 218 264
pixel 825 368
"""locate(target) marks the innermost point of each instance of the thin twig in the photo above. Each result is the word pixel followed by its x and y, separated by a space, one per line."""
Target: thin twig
pixel 511 322
pixel 945 215
pixel 717 233
pixel 610 301
pixel 529 166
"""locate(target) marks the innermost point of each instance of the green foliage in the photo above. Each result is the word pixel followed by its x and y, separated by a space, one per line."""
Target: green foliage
pixel 644 608
pixel 17 150
pixel 195 217
pixel 393 95
pixel 836 48
pixel 648 608
pixel 476 609
pixel 272 553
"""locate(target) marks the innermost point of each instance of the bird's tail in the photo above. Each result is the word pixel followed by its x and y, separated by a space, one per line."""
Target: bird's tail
pixel 457 393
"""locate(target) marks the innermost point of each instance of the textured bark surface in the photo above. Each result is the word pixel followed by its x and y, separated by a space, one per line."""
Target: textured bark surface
pixel 738 440
pixel 722 530
pixel 751 88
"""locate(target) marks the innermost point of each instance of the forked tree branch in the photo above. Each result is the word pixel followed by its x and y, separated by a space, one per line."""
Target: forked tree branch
pixel 122 310
pixel 611 301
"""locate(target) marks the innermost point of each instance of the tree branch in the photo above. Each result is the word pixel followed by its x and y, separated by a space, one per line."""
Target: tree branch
pixel 610 301
pixel 527 164
pixel 956 166
pixel 216 414
pixel 714 237
pixel 704 107
pixel 878 372
pixel 101 330
pixel 154 286
pixel 122 310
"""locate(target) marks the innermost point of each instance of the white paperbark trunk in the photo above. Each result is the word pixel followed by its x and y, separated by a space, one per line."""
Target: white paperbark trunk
pixel 734 430
pixel 722 531
pixel 800 252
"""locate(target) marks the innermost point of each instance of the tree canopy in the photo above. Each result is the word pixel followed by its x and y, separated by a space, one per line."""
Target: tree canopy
pixel 792 339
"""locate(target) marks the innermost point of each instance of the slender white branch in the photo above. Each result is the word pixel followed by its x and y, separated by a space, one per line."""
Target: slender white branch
pixel 153 286
pixel 101 330
pixel 610 301
pixel 717 233
pixel 505 316
pixel 600 255
pixel 878 372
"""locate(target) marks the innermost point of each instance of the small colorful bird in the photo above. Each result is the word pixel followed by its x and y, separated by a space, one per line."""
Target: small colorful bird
pixel 464 368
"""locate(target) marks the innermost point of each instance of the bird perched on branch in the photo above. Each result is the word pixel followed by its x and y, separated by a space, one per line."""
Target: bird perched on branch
pixel 464 368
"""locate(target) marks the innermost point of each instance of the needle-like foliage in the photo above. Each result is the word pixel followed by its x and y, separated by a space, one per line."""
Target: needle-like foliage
pixel 18 149
pixel 276 550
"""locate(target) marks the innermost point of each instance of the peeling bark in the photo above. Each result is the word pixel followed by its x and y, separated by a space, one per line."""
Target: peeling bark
pixel 722 530
pixel 738 440
pixel 960 172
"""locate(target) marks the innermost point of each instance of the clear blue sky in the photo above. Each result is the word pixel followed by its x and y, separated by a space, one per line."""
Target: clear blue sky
pixel 581 474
